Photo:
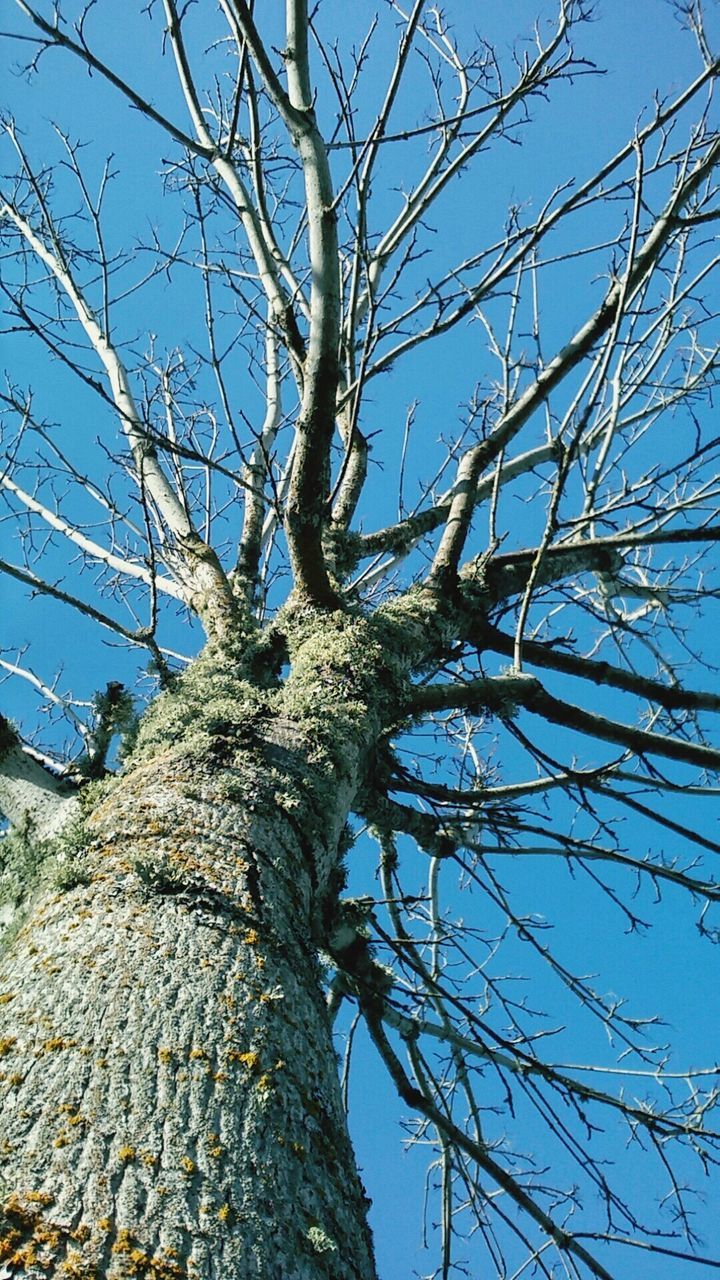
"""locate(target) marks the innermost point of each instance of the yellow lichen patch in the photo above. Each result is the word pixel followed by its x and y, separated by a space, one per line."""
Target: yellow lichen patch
pixel 188 1165
pixel 147 1158
pixel 214 1146
pixel 199 1054
pixel 19 1201
pixel 55 1043
pixel 71 1114
pixel 249 1059
pixel 24 1256
pixel 264 1084
pixel 6 997
pixel 223 1212
pixel 6 1044
pixel 75 1268
pixel 48 1234
pixel 251 937
pixel 165 1055
pixel 9 1242
pixel 126 1153
pixel 130 1259
pixel 29 1235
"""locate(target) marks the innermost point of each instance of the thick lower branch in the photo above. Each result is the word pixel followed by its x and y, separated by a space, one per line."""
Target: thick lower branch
pixel 31 797
pixel 672 697
pixel 501 695
pixel 507 574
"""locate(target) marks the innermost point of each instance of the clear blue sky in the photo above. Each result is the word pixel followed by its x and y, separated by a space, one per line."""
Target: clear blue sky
pixel 644 51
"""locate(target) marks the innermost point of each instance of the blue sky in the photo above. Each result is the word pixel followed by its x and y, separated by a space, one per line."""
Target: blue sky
pixel 644 52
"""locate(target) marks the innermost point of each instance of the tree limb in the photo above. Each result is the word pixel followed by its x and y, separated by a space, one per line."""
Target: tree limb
pixel 31 797
pixel 502 694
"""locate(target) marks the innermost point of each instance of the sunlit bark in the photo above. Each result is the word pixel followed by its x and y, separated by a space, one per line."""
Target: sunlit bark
pixel 177 933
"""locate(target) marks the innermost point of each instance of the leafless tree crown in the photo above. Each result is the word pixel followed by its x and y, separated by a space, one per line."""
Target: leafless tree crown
pixel 372 375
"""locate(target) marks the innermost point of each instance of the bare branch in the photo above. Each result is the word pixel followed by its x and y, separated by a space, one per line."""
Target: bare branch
pixel 501 694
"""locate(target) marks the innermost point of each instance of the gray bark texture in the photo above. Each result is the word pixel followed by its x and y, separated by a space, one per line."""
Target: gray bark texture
pixel 170 1096
pixel 29 793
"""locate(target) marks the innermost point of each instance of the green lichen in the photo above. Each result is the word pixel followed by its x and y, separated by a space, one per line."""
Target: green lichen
pixel 29 864
pixel 336 685
pixel 343 549
pixel 320 1240
pixel 23 859
pixel 213 707
pixel 346 671
pixel 8 737
pixel 72 875
pixel 414 632
pixel 93 793
pixel 114 715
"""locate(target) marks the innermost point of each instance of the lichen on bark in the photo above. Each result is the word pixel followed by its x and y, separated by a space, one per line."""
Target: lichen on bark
pixel 169 1079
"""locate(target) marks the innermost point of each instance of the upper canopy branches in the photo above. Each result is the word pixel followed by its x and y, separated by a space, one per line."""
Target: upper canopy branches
pixel 341 285
pixel 578 325
pixel 343 312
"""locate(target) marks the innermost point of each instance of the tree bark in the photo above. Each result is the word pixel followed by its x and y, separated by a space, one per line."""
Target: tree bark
pixel 29 795
pixel 169 1087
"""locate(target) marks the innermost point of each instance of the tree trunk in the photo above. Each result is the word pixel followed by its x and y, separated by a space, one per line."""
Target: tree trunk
pixel 170 1096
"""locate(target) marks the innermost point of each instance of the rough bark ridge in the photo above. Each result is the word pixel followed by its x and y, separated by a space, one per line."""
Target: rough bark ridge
pixel 169 1087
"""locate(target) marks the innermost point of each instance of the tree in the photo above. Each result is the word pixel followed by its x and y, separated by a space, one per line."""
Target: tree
pixel 504 673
